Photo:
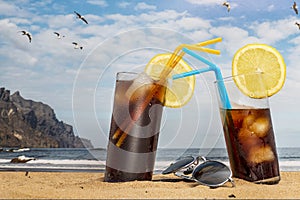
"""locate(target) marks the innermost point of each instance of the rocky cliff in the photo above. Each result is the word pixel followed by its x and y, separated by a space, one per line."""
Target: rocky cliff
pixel 26 123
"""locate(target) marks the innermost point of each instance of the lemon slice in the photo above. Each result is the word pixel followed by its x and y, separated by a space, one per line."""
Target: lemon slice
pixel 179 91
pixel 259 58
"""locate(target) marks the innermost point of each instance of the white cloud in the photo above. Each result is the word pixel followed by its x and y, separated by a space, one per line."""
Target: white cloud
pixel 124 4
pixel 162 18
pixel 144 6
pixel 228 18
pixel 37 5
pixel 9 9
pixel 11 36
pixel 101 3
pixel 200 35
pixel 295 41
pixel 273 31
pixel 192 23
pixel 167 19
pixel 270 7
pixel 60 21
pixel 233 38
pixel 20 21
pixel 292 60
pixel 206 2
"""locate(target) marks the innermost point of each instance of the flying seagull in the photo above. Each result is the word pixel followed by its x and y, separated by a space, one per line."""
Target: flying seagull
pixel 58 35
pixel 79 16
pixel 227 4
pixel 298 24
pixel 27 34
pixel 77 46
pixel 295 7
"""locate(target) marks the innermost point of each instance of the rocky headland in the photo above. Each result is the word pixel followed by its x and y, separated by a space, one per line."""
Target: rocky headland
pixel 26 123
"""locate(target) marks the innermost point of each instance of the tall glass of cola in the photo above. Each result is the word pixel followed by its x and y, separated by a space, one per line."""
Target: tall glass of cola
pixel 135 126
pixel 249 133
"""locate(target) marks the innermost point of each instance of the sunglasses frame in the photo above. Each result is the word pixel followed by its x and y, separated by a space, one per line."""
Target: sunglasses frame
pixel 188 171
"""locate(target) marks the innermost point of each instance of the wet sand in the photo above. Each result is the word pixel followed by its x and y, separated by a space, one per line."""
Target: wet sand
pixel 83 185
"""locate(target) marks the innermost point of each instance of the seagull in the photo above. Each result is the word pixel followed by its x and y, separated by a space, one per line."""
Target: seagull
pixel 27 34
pixel 58 35
pixel 298 24
pixel 295 7
pixel 79 16
pixel 77 46
pixel 227 4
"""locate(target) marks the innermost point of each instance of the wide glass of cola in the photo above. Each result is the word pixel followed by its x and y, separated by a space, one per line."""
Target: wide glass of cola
pixel 249 133
pixel 134 129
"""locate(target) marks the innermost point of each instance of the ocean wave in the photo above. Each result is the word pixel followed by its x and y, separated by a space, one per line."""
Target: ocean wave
pixel 94 159
pixel 99 165
pixel 61 162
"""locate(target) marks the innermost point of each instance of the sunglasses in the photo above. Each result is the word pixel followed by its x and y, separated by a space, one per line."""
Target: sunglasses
pixel 209 173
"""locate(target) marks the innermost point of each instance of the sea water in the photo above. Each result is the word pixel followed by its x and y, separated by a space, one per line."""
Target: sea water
pixel 93 160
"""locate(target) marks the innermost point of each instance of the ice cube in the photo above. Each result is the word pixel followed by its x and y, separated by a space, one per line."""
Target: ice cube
pixel 259 154
pixel 248 121
pixel 238 116
pixel 142 80
pixel 247 139
pixel 260 126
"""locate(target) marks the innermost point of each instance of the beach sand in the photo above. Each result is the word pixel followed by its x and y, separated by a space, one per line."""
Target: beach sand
pixel 78 185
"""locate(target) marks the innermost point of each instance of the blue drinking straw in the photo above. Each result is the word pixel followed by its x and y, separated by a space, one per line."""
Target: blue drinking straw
pixel 211 67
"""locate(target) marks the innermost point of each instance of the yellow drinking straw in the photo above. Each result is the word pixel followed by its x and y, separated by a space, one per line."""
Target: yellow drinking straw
pixel 172 62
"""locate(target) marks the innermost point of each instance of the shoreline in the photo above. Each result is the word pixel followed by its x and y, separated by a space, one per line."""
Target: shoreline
pixel 90 185
pixel 285 166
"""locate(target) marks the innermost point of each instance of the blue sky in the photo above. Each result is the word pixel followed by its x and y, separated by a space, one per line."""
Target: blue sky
pixel 124 36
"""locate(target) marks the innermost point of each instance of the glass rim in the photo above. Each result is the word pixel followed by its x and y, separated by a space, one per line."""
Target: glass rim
pixel 123 75
pixel 129 73
pixel 124 72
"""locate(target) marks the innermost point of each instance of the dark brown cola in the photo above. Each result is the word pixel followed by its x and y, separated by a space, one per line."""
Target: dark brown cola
pixel 134 130
pixel 251 145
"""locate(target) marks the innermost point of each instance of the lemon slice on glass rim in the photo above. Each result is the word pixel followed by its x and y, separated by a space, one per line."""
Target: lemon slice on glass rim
pixel 262 58
pixel 179 91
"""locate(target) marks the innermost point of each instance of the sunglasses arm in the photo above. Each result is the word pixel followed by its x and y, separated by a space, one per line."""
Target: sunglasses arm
pixel 181 175
pixel 231 181
pixel 201 158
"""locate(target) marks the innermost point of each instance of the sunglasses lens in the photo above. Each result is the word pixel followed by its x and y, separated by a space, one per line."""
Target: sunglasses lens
pixel 212 173
pixel 182 162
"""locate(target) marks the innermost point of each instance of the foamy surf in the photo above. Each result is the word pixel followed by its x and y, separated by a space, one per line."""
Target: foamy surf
pixel 82 160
